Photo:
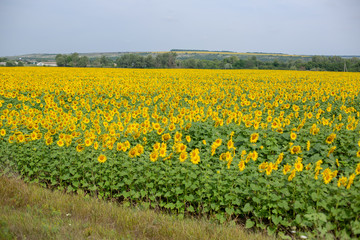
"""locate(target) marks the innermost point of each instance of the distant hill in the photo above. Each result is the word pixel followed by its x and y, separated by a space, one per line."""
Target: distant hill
pixel 181 55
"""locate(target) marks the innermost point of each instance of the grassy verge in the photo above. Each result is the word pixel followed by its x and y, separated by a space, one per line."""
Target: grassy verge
pixel 28 211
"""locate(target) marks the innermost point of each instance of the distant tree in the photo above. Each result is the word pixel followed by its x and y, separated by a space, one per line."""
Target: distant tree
pixel 60 60
pixel 10 63
pixel 232 60
pixel 74 60
pixel 166 60
pixel 131 61
pixel 95 62
pixel 251 63
pixel 189 63
pixel 239 64
pixel 276 63
pixel 83 61
pixel 149 62
pixel 106 62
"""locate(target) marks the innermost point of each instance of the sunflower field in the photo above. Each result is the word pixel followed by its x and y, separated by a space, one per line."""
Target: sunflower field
pixel 278 150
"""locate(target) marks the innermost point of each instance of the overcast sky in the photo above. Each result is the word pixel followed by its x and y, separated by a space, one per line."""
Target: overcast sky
pixel 322 27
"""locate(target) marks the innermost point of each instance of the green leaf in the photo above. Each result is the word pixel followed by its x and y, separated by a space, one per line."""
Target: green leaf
pixel 283 236
pixel 229 210
pixel 254 187
pixel 247 207
pixel 76 184
pixel 249 223
pixel 189 198
pixel 298 219
pixel 284 205
pixel 191 209
pixel 178 191
pixel 221 217
pixel 170 205
pixel 271 229
pixel 298 205
pixel 276 219
pixel 355 227
pixel 314 196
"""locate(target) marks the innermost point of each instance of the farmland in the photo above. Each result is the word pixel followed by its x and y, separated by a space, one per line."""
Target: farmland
pixel 277 150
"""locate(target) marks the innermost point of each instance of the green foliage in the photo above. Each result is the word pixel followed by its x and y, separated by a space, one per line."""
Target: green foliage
pixel 73 60
pixel 208 188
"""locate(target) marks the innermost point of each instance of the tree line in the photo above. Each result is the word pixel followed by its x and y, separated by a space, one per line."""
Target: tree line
pixel 169 60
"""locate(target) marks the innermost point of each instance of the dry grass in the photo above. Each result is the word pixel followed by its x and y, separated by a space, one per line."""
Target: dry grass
pixel 28 211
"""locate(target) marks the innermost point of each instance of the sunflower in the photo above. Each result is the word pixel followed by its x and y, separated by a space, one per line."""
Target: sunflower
pixel 298 166
pixel 156 146
pixel 357 170
pixel 162 152
pixel 140 149
pixel 269 168
pixel 133 152
pixel 181 147
pixel 241 165
pixel 79 148
pixel 49 141
pixel 2 132
pixel 295 149
pixel 293 136
pixel 33 135
pixel 230 144
pixel 183 156
pixel 119 146
pixel 154 156
pixel 166 137
pixel 156 126
pixel 160 131
pixel 330 138
pixel 60 143
pixel 263 166
pixel 286 169
pixel 280 158
pixel 342 182
pixel 172 127
pixel 88 142
pixel 102 158
pixel 194 156
pixel 254 137
pixel 350 181
pixel 275 124
pixel 292 175
pixel 21 138
pixel 178 137
pixel 332 149
pixel 254 155
pixel 217 142
pixel 280 130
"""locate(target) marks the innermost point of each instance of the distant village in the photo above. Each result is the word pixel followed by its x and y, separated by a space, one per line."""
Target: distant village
pixel 28 62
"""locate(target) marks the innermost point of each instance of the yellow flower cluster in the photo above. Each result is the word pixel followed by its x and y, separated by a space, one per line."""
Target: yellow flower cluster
pixel 156 114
